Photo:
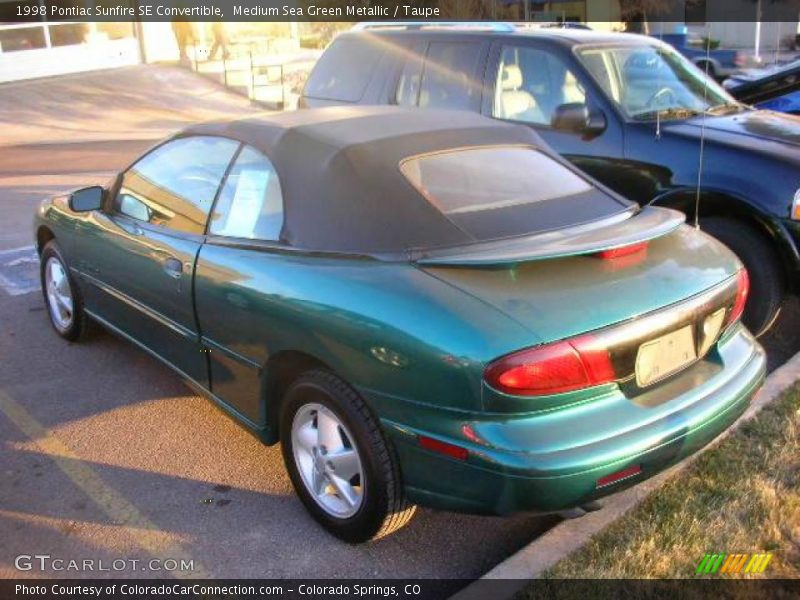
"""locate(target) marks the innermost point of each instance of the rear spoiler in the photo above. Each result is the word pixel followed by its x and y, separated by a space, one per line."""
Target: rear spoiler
pixel 620 230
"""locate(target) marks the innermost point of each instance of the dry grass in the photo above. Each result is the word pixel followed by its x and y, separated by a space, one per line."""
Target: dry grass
pixel 741 497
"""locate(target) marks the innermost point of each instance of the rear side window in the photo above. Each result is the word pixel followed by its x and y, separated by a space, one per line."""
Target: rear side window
pixel 250 204
pixel 343 71
pixel 448 76
pixel 175 184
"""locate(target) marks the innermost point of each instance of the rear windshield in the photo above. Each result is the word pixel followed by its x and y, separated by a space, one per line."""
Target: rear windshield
pixel 500 191
pixel 343 71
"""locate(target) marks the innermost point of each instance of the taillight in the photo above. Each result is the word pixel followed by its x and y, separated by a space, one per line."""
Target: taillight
pixel 742 291
pixel 739 59
pixel 622 251
pixel 552 369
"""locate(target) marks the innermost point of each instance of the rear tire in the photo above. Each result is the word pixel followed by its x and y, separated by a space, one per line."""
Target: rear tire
pixel 368 502
pixel 712 72
pixel 62 297
pixel 767 285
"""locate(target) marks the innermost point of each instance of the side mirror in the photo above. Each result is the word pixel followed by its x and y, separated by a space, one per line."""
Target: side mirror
pixel 576 117
pixel 87 199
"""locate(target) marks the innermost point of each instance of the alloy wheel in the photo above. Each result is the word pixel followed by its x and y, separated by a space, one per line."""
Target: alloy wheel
pixel 59 295
pixel 328 460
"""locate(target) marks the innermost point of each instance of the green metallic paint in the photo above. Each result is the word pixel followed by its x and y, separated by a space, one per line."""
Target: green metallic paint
pixel 560 298
pixel 552 460
pixel 349 314
pixel 414 341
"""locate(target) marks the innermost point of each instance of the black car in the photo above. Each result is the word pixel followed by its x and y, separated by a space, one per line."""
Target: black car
pixel 627 109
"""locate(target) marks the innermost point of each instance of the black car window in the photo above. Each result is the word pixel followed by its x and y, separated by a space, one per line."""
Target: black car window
pixel 448 76
pixel 250 204
pixel 531 83
pixel 343 71
pixel 175 184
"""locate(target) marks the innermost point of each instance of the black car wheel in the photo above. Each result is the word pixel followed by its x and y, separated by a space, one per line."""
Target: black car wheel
pixel 341 466
pixel 61 294
pixel 707 67
pixel 767 284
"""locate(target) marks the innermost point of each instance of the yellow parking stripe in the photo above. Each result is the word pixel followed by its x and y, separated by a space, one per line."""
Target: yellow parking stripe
pixel 121 512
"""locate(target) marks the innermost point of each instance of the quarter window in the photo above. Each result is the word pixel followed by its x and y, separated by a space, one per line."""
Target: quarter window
pixel 531 84
pixel 174 185
pixel 343 71
pixel 250 204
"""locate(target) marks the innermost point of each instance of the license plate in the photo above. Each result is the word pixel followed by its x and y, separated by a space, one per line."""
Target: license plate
pixel 664 356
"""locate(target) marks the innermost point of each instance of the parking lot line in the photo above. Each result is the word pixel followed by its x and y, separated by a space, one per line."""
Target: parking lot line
pixel 144 532
pixel 19 270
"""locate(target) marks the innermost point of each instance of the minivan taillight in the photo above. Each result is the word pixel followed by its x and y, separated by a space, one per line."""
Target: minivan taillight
pixel 742 291
pixel 554 368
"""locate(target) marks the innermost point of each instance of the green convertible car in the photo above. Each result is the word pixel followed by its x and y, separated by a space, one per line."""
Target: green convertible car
pixel 423 307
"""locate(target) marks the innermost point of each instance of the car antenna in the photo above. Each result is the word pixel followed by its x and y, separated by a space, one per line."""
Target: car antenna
pixel 658 82
pixel 702 130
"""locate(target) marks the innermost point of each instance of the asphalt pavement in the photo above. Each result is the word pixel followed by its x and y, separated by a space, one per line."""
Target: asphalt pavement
pixel 105 453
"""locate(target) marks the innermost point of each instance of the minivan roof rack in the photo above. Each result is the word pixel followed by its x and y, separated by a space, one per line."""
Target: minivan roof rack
pixel 413 25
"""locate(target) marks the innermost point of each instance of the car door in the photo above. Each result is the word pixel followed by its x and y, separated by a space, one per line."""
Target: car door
pixel 526 82
pixel 238 284
pixel 443 73
pixel 139 257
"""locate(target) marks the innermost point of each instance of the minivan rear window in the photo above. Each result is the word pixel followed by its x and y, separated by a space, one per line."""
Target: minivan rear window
pixel 343 71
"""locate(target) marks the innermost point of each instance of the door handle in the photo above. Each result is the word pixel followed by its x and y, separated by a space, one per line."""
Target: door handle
pixel 173 267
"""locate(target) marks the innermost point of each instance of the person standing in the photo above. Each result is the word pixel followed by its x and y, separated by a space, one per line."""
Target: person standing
pixel 220 34
pixel 184 35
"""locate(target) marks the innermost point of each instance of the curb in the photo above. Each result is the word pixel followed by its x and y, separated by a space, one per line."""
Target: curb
pixel 570 535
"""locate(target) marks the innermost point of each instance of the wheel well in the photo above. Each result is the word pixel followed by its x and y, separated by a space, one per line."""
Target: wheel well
pixel 43 235
pixel 712 63
pixel 280 372
pixel 721 206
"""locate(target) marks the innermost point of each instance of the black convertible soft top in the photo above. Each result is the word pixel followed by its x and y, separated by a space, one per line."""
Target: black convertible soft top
pixel 343 191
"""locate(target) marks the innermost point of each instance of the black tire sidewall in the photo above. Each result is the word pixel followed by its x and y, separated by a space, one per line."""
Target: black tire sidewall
pixel 367 521
pixel 763 267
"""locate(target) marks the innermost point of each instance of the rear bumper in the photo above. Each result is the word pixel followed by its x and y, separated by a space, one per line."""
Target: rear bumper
pixel 552 460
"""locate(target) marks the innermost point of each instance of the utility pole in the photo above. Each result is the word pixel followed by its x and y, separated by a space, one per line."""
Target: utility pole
pixel 757 55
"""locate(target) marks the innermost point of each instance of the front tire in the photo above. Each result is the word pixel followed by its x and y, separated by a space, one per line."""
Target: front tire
pixel 767 285
pixel 62 296
pixel 341 466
